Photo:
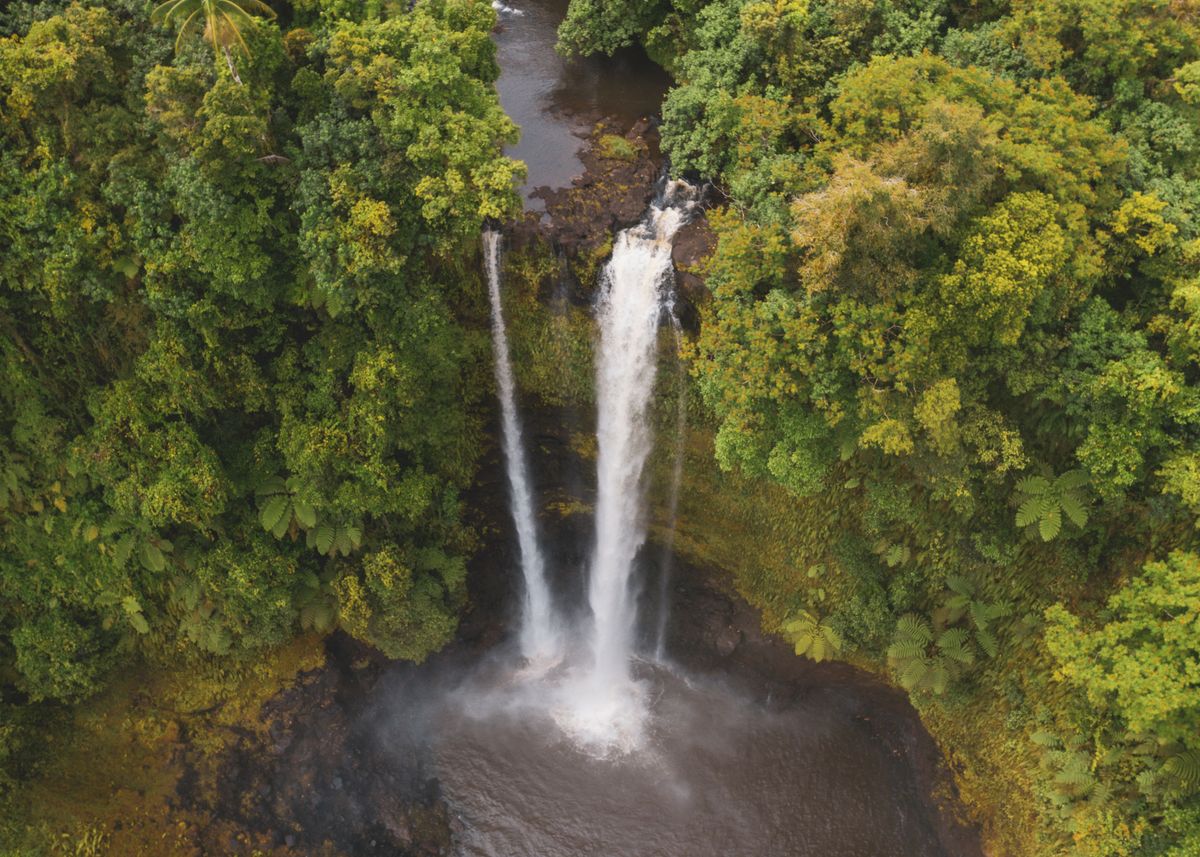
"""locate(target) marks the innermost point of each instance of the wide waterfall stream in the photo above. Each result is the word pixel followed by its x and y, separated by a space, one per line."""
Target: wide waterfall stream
pixel 589 688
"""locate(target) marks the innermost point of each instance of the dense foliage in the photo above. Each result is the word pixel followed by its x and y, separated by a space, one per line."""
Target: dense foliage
pixel 951 358
pixel 956 301
pixel 237 392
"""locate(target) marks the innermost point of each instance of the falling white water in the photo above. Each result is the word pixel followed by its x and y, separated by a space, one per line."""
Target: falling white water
pixel 668 551
pixel 540 639
pixel 635 287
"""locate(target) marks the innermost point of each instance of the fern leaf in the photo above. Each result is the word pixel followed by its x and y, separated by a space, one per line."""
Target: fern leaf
pixel 273 511
pixel 804 642
pixel 305 514
pixel 1071 480
pixel 987 642
pixel 1050 525
pixel 1074 509
pixel 1029 511
pixel 906 650
pixel 284 523
pixel 1033 485
pixel 273 485
pixel 939 677
pixel 832 638
pixel 959 585
pixel 1075 773
pixel 956 645
pixel 817 650
pixel 323 538
pixel 1184 769
pixel 913 674
pixel 914 628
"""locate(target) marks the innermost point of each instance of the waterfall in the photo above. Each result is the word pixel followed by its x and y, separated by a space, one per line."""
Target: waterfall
pixel 539 637
pixel 635 291
pixel 668 548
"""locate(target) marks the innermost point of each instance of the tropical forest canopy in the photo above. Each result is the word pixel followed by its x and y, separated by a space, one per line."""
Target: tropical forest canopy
pixel 238 356
pixel 954 321
pixel 956 296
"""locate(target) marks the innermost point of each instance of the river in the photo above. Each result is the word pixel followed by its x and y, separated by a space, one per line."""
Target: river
pixel 556 101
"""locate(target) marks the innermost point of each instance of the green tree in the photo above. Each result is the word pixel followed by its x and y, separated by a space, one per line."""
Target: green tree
pixel 1140 661
pixel 223 22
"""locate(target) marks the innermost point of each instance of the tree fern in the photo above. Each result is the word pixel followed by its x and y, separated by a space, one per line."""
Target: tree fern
pixel 1182 771
pixel 962 603
pixel 280 508
pixel 813 637
pixel 1043 502
pixel 923 660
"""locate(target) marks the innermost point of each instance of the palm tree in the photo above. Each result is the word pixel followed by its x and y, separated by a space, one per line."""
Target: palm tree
pixel 223 22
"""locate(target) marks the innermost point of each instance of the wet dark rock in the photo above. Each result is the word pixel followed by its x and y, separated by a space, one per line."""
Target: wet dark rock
pixel 728 639
pixel 317 780
pixel 611 193
pixel 693 244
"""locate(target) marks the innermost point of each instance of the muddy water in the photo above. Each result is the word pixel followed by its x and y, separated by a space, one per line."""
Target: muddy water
pixel 556 101
pixel 720 776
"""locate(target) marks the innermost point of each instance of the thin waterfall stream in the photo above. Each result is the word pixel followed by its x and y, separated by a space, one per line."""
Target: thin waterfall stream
pixel 539 636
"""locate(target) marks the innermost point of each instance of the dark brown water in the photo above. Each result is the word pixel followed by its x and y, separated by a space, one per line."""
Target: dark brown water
pixel 556 101
pixel 718 776
pixel 749 753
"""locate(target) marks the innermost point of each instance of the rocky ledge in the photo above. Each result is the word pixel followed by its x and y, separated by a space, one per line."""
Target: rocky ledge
pixel 621 173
